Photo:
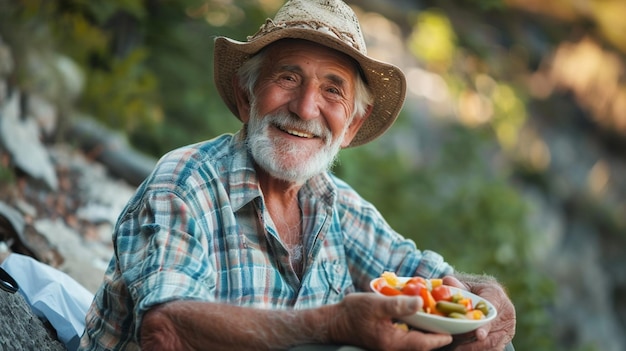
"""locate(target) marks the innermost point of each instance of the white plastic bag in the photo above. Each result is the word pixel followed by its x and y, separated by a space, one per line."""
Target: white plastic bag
pixel 52 295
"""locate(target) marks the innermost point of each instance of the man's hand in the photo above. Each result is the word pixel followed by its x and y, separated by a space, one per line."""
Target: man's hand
pixel 498 333
pixel 365 320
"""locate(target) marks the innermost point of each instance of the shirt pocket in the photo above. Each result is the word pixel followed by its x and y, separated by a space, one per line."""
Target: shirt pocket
pixel 339 281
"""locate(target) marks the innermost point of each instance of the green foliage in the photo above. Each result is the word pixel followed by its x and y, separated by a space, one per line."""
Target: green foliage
pixel 153 79
pixel 181 51
pixel 432 39
pixel 486 4
pixel 119 90
pixel 123 96
pixel 7 175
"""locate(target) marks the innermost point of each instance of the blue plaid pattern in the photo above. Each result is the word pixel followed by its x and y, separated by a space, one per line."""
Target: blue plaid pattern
pixel 198 229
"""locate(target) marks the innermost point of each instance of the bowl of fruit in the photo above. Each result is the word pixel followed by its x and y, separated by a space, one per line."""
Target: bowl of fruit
pixel 446 309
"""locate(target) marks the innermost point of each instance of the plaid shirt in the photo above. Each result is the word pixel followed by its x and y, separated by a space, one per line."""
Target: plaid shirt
pixel 198 229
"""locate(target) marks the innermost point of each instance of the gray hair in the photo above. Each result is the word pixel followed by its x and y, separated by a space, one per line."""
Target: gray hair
pixel 249 72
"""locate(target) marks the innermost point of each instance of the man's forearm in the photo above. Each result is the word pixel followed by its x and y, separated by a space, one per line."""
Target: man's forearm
pixel 194 325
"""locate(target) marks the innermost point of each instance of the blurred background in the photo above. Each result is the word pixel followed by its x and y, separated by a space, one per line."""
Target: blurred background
pixel 509 157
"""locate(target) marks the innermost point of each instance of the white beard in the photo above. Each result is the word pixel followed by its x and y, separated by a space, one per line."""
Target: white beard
pixel 288 160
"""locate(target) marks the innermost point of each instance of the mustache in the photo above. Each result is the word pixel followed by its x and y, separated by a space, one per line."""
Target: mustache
pixel 287 120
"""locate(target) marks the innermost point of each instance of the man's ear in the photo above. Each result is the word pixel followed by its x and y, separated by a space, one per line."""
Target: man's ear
pixel 354 127
pixel 242 100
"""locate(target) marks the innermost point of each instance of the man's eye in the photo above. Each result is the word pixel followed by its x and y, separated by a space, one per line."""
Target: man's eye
pixel 334 91
pixel 288 78
pixel 287 81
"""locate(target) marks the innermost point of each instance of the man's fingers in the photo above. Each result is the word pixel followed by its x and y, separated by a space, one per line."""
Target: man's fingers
pixel 402 305
pixel 453 281
pixel 396 307
pixel 482 332
pixel 428 341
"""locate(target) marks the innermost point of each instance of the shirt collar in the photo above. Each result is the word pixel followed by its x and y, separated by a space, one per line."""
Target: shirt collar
pixel 320 187
pixel 242 180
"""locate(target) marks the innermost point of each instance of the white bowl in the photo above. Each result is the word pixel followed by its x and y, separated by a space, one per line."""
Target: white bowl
pixel 445 325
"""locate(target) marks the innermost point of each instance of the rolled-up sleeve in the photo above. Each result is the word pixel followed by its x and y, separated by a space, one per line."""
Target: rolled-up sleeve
pixel 164 255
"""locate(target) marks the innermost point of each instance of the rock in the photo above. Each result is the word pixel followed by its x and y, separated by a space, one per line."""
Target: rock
pixel 6 68
pixel 111 149
pixel 20 137
pixel 24 239
pixel 85 263
pixel 3 90
pixel 54 76
pixel 6 60
pixel 13 217
pixel 77 220
pixel 42 111
pixel 12 230
pixel 27 332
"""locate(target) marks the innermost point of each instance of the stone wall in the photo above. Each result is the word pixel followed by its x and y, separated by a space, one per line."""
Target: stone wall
pixel 21 330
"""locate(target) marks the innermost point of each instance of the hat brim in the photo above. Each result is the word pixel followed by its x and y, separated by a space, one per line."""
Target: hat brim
pixel 386 82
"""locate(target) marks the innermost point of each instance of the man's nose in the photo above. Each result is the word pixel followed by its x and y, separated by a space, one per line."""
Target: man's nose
pixel 306 103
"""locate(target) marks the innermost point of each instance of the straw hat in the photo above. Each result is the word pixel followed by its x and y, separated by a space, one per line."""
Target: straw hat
pixel 331 23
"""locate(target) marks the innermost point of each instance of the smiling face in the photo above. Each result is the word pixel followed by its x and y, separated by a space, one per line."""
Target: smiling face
pixel 301 111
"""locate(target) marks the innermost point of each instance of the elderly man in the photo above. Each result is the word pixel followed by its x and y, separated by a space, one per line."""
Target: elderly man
pixel 247 241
